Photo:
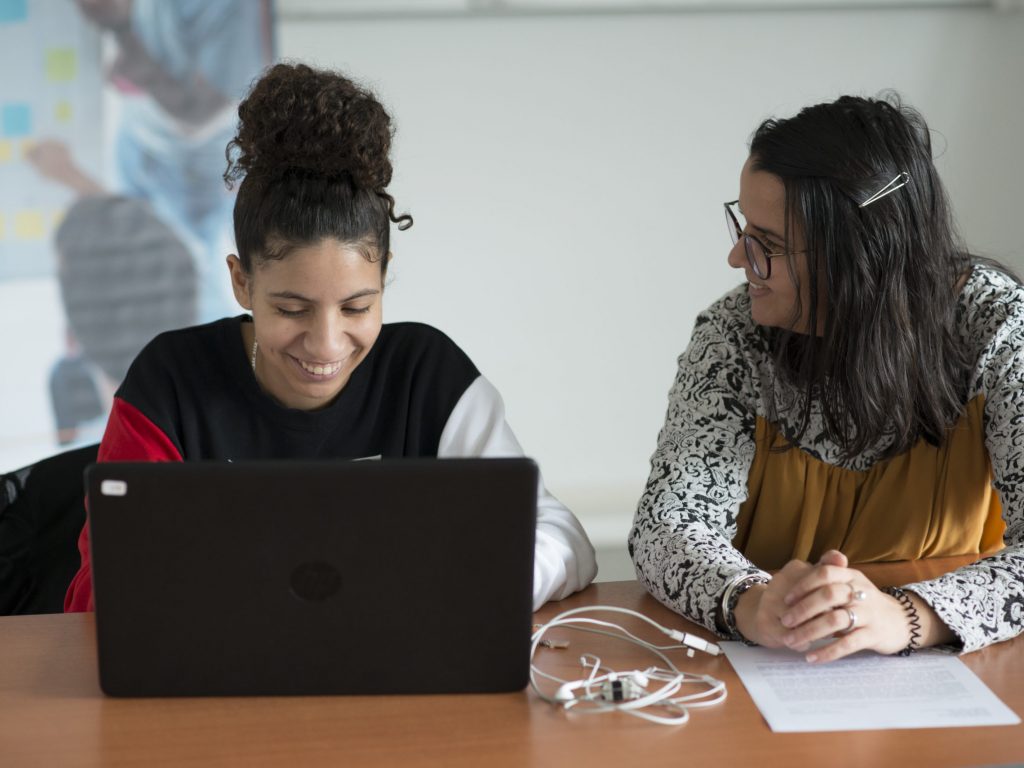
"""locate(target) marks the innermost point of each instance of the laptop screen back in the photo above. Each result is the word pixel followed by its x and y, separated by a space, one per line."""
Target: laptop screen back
pixel 277 578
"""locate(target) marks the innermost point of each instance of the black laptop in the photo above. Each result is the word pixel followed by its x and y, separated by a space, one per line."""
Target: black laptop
pixel 297 577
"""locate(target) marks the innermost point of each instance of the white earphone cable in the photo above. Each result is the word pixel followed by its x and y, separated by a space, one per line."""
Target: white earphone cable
pixel 627 692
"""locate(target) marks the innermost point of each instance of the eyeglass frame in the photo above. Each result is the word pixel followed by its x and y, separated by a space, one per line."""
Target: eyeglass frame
pixel 736 232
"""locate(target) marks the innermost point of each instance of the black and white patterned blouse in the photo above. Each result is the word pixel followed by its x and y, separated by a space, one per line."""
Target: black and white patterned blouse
pixel 687 517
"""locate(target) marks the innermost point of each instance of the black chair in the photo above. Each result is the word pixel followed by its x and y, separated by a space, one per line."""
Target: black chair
pixel 42 511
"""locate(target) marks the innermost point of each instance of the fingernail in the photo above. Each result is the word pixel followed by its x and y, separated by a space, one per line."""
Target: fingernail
pixel 787 620
pixel 811 658
pixel 788 599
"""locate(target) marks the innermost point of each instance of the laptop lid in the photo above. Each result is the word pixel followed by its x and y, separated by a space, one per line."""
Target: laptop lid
pixel 323 577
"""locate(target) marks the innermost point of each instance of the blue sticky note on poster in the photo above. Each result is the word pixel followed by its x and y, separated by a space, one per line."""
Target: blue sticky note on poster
pixel 13 10
pixel 15 120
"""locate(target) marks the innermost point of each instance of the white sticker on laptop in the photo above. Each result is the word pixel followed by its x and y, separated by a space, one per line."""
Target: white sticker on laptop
pixel 113 488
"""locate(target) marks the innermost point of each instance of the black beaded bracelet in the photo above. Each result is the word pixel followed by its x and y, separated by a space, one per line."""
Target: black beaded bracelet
pixel 912 617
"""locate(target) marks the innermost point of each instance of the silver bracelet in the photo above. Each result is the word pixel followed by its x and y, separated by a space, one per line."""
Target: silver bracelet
pixel 730 597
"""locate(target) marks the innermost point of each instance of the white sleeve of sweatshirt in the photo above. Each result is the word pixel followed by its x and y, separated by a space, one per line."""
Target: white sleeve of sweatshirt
pixel 564 557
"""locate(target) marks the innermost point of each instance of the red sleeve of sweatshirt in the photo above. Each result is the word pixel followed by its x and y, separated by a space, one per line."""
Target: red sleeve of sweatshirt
pixel 129 436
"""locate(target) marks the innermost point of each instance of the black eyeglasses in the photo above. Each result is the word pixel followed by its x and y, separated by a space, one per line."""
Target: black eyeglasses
pixel 758 254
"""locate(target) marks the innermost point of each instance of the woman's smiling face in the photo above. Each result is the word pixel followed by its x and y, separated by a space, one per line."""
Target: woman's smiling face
pixel 316 314
pixel 773 302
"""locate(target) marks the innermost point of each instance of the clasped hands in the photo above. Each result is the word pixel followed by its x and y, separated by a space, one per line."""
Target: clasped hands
pixel 807 602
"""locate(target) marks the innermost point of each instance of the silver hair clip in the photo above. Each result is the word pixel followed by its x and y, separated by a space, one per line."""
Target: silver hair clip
pixel 902 177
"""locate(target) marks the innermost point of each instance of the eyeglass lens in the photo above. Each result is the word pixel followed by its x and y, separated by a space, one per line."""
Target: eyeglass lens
pixel 759 261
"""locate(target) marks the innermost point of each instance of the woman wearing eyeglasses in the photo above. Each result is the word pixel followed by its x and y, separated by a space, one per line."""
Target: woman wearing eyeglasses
pixel 860 398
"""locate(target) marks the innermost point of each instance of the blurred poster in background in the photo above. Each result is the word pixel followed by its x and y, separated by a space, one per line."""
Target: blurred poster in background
pixel 114 218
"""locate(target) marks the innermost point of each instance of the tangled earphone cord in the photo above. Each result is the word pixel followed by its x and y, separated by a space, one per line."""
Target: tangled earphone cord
pixel 627 691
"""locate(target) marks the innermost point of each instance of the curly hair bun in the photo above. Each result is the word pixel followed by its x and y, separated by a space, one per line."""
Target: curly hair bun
pixel 311 121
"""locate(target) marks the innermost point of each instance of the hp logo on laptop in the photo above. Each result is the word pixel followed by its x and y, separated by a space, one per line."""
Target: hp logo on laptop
pixel 315 582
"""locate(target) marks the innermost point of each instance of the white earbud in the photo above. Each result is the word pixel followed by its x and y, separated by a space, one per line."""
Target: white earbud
pixel 565 692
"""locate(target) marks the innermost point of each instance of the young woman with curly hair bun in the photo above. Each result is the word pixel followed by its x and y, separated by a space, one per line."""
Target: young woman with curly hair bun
pixel 312 371
pixel 860 398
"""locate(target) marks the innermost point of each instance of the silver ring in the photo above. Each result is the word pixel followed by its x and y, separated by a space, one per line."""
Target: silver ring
pixel 853 621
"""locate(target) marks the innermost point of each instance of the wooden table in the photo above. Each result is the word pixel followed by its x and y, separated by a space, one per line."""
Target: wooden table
pixel 52 713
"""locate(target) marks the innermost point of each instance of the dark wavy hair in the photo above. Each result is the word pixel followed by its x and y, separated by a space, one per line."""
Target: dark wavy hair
pixel 889 361
pixel 312 151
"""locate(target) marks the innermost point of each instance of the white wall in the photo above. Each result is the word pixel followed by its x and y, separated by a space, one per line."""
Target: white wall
pixel 567 173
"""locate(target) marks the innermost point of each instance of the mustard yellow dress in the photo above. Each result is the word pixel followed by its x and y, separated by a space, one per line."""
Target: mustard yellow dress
pixel 927 502
pixel 726 495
